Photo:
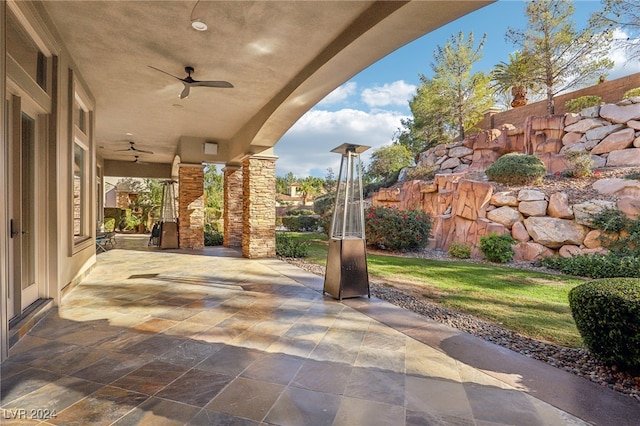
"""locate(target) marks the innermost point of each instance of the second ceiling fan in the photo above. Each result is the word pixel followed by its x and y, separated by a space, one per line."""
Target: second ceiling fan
pixel 189 82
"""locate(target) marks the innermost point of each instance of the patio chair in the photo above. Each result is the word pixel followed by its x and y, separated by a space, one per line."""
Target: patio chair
pixel 101 241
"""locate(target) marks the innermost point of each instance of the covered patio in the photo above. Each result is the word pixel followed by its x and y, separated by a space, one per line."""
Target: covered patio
pixel 210 337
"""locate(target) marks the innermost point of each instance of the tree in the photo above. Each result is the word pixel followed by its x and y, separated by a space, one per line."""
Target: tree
pixel 330 181
pixel 514 77
pixel 428 126
pixel 284 183
pixel 310 187
pixel 625 15
pixel 562 57
pixel 466 93
pixel 387 160
pixel 213 192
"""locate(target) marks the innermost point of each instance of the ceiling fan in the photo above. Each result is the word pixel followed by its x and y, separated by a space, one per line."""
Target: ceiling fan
pixel 132 147
pixel 189 82
pixel 136 159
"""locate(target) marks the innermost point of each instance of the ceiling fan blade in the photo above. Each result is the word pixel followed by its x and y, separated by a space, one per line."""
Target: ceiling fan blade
pixel 185 92
pixel 164 72
pixel 143 151
pixel 221 84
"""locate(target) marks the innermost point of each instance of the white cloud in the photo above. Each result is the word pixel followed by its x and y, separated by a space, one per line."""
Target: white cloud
pixel 618 54
pixel 396 93
pixel 306 148
pixel 340 94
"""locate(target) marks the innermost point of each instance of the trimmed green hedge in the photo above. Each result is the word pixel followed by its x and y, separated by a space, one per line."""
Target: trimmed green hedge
pixel 300 223
pixel 607 315
pixel 517 169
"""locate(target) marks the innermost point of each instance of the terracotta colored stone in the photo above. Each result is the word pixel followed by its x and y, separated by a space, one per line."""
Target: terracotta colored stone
pixel 593 239
pixel 519 232
pixel 559 206
pixel 505 216
pixel 571 118
pixel 624 157
pixel 528 251
pixel 504 199
pixel 634 124
pixel 569 251
pixel 615 141
pixel 571 138
pixel 584 212
pixel 554 233
pixel 450 163
pixel 636 142
pixel 530 195
pixel 630 206
pixel 620 114
pixel 533 208
pixel 473 199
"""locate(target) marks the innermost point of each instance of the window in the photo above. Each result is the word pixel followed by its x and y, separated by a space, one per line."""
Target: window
pixel 79 191
pixel 23 50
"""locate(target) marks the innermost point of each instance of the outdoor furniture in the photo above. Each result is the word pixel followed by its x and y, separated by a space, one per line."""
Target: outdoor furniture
pixel 101 241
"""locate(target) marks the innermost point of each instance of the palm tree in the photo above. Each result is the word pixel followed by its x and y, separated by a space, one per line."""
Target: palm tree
pixel 514 75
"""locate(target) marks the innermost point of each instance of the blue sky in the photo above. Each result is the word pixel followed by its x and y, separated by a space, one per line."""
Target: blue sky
pixel 367 109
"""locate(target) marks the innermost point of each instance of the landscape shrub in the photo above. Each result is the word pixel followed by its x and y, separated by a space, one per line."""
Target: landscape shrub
pixel 286 246
pixel 324 203
pixel 422 172
pixel 300 223
pixel 397 230
pixel 460 250
pixel 517 169
pixel 580 164
pixel 109 224
pixel 213 238
pixel 632 176
pixel 621 238
pixel 299 212
pixel 372 187
pixel 607 315
pixel 497 247
pixel 578 104
pixel 631 93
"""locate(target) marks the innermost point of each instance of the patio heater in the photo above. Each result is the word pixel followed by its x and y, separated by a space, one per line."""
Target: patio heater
pixel 346 273
pixel 168 217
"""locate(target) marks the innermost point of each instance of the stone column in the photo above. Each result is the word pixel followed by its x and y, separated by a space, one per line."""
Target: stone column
pixel 232 214
pixel 191 206
pixel 259 207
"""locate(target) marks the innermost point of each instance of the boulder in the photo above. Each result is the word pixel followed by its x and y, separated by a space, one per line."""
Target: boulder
pixel 615 141
pixel 519 232
pixel 472 199
pixel 505 216
pixel 634 124
pixel 460 151
pixel 583 212
pixel 600 133
pixel 599 161
pixel 571 138
pixel 529 251
pixel 559 206
pixel 593 111
pixel 624 157
pixel 630 206
pixel 620 113
pixel 504 198
pixel 571 118
pixel 569 251
pixel 533 208
pixel 636 142
pixel 617 186
pixel 576 147
pixel 450 163
pixel 554 233
pixel 530 195
pixel 460 168
pixel 585 124
pixel 593 239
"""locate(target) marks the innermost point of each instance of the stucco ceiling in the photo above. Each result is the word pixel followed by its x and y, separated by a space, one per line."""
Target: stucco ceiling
pixel 281 56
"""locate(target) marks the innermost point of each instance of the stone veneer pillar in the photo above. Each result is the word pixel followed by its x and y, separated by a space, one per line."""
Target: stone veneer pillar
pixel 232 214
pixel 259 207
pixel 191 206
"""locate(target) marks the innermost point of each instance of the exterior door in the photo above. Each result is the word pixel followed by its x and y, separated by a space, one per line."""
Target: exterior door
pixel 23 229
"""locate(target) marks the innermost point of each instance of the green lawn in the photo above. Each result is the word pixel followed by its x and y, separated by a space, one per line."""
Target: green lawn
pixel 531 303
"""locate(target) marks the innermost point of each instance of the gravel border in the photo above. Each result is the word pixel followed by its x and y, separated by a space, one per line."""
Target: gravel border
pixel 573 360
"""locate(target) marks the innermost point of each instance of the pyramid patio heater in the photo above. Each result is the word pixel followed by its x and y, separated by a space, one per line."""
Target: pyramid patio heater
pixel 346 273
pixel 168 217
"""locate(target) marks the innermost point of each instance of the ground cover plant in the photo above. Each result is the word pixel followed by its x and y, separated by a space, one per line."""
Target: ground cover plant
pixel 531 303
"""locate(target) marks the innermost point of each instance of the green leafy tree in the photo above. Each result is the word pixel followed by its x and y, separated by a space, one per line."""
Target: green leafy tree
pixel 310 187
pixel 428 126
pixel 466 93
pixel 284 183
pixel 625 15
pixel 330 181
pixel 514 76
pixel 562 58
pixel 214 191
pixel 386 160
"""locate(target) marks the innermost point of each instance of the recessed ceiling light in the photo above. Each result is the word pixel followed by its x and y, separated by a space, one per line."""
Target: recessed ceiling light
pixel 129 134
pixel 199 25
